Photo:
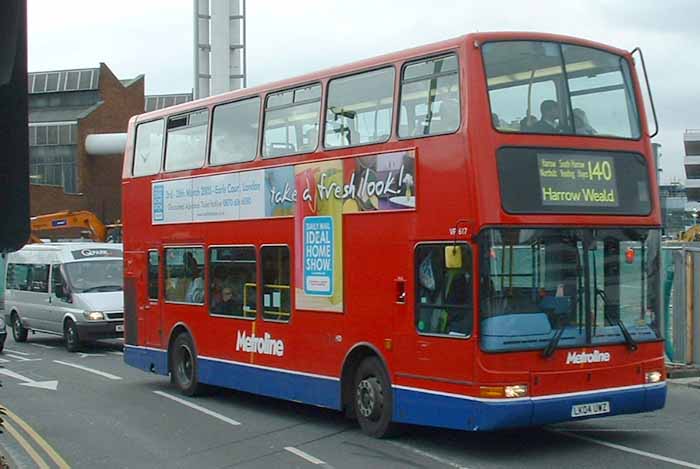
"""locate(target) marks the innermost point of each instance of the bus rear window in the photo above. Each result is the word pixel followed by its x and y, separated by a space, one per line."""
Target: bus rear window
pixel 149 148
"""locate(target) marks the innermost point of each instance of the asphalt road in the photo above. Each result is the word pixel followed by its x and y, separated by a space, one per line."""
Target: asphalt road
pixel 105 414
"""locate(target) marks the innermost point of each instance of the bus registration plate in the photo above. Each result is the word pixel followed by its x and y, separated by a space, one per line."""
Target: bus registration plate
pixel 593 408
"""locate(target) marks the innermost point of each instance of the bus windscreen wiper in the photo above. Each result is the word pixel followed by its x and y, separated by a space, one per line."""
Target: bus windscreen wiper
pixel 554 341
pixel 631 343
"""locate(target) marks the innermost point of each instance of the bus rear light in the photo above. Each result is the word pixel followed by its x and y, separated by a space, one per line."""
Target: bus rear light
pixel 651 377
pixel 517 390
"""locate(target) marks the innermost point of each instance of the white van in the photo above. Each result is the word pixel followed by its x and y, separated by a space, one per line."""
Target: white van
pixel 70 289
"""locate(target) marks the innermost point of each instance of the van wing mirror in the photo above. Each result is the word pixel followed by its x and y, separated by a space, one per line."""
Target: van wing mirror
pixel 453 257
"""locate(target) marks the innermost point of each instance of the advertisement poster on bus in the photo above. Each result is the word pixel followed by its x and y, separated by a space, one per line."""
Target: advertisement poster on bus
pixel 328 190
pixel 316 194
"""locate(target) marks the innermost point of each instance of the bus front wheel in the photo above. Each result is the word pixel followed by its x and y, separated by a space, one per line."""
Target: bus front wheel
pixel 183 368
pixel 373 399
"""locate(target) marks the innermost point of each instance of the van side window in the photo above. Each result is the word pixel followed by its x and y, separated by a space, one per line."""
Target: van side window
pixel 17 277
pixel 184 275
pixel 276 283
pixel 59 287
pixel 153 274
pixel 233 276
pixel 444 289
pixel 40 278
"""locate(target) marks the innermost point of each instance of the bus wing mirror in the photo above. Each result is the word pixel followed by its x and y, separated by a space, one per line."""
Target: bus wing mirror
pixel 453 257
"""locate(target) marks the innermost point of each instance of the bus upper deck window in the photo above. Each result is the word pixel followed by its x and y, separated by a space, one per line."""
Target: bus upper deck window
pixel 430 97
pixel 186 141
pixel 291 121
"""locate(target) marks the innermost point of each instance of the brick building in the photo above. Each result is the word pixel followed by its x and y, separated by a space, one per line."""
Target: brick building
pixel 64 108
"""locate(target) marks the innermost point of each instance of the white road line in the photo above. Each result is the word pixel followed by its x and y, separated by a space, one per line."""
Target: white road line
pixel 4 360
pixel 211 413
pixel 42 345
pixel 85 368
pixel 627 449
pixel 304 455
pixel 16 351
pixel 22 359
pixel 117 353
pixel 425 454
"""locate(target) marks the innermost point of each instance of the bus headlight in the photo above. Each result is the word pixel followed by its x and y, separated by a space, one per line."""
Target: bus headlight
pixel 518 390
pixel 651 377
pixel 94 315
pixel 496 392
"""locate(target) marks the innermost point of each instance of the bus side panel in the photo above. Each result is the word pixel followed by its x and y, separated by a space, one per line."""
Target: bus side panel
pixel 310 389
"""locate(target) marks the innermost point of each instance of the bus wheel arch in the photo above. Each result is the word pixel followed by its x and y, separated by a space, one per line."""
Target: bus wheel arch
pixel 182 361
pixel 369 358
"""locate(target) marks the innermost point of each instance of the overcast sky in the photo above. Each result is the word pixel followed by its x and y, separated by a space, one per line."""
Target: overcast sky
pixel 288 38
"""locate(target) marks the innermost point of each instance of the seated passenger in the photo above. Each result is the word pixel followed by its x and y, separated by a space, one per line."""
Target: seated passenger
pixel 449 117
pixel 228 304
pixel 548 124
pixel 583 127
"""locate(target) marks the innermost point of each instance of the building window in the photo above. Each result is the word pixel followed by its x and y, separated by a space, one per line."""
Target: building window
pixel 184 275
pixel 276 283
pixel 430 97
pixel 360 109
pixel 149 148
pixel 291 121
pixel 186 141
pixel 233 274
pixel 234 136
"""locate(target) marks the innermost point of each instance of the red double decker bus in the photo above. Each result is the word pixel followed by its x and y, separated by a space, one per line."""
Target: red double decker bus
pixel 463 235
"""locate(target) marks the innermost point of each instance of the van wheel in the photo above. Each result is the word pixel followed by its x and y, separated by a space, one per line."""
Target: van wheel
pixel 373 399
pixel 183 366
pixel 70 335
pixel 19 333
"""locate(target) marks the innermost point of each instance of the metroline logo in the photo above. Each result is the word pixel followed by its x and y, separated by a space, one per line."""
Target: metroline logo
pixel 576 358
pixel 264 345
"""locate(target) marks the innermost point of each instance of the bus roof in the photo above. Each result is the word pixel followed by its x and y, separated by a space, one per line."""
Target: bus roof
pixel 426 49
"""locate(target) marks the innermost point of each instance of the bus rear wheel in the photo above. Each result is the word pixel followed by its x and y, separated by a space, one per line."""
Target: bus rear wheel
pixel 374 399
pixel 183 366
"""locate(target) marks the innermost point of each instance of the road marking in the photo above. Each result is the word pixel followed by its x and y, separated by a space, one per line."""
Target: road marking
pixel 121 354
pixel 16 351
pixel 304 455
pixel 90 370
pixel 27 447
pixel 85 355
pixel 41 345
pixel 211 413
pixel 425 454
pixel 51 385
pixel 22 359
pixel 53 454
pixel 627 449
pixel 4 360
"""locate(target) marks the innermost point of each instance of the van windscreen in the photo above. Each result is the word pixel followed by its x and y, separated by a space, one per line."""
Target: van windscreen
pixel 95 276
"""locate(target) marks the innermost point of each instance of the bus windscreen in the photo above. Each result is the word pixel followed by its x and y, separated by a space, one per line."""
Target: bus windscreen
pixel 566 181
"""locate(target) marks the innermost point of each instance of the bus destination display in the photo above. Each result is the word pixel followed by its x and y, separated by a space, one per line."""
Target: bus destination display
pixel 577 180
